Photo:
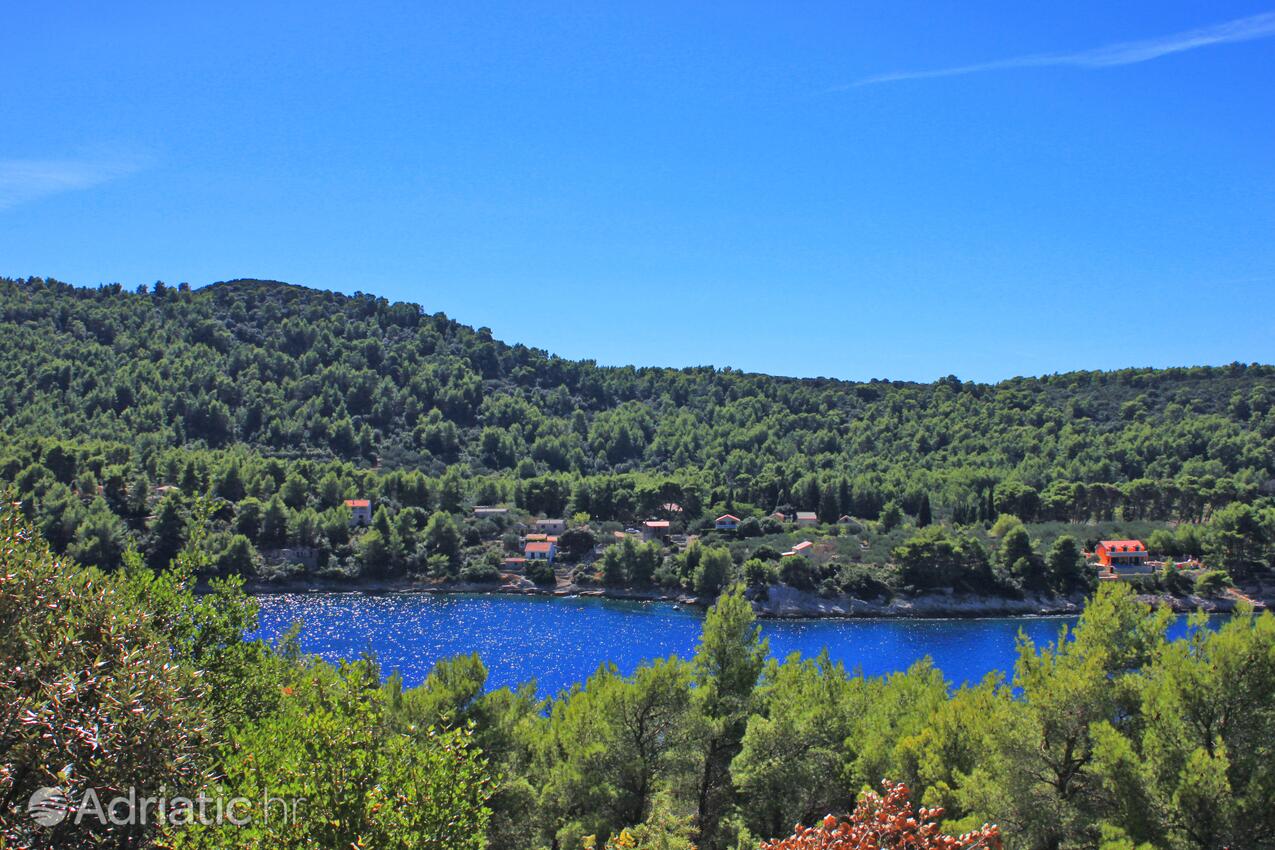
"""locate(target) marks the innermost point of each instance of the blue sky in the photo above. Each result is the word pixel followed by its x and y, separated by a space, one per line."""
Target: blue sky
pixel 876 189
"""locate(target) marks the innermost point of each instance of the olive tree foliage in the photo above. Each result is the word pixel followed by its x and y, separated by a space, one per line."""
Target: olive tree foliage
pixel 332 751
pixel 130 683
pixel 89 697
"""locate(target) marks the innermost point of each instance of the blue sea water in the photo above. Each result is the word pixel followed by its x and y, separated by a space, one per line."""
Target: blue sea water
pixel 561 641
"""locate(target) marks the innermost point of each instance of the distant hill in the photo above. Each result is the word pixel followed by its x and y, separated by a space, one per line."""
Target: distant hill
pixel 294 373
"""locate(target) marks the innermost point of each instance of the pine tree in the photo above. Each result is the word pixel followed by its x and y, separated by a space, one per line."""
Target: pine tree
pixel 727 664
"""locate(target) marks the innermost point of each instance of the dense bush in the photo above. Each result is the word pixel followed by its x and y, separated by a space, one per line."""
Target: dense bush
pixel 131 682
pixel 540 572
pixel 1212 582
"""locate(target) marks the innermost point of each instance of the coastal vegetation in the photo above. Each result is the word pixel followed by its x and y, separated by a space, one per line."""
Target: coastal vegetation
pixel 122 411
pixel 1113 736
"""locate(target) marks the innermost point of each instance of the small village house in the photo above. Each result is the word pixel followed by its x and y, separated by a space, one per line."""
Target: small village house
pixel 807 518
pixel 726 522
pixel 1120 559
pixel 515 565
pixel 551 526
pixel 541 550
pixel 804 549
pixel 844 519
pixel 779 516
pixel 1122 553
pixel 654 529
pixel 482 511
pixel 360 511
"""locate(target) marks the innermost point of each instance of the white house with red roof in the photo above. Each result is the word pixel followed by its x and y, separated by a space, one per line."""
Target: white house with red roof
pixel 360 511
pixel 726 522
pixel 540 550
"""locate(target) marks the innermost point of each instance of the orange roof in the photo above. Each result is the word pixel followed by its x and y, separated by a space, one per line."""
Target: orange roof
pixel 539 547
pixel 531 537
pixel 727 516
pixel 1122 545
pixel 803 545
pixel 358 503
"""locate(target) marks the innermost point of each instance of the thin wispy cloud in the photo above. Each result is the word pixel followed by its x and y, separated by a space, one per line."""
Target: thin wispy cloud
pixel 1123 53
pixel 24 180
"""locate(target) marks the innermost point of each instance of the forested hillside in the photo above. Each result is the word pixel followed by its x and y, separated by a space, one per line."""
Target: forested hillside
pixel 295 398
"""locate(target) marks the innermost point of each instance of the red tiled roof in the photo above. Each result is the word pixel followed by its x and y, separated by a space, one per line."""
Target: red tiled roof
pixel 1122 545
pixel 358 503
pixel 727 516
pixel 538 547
pixel 803 545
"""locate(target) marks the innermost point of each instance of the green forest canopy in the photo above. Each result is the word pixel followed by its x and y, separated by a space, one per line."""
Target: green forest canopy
pixel 295 399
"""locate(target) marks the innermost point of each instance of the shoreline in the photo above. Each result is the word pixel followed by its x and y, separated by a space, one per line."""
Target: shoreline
pixel 780 602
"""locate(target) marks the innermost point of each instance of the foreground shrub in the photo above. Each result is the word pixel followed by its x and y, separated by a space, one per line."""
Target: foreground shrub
pixel 886 823
pixel 90 697
pixel 130 688
pixel 341 773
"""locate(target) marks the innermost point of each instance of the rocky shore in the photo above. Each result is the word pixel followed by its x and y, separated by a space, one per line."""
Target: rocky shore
pixel 777 601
